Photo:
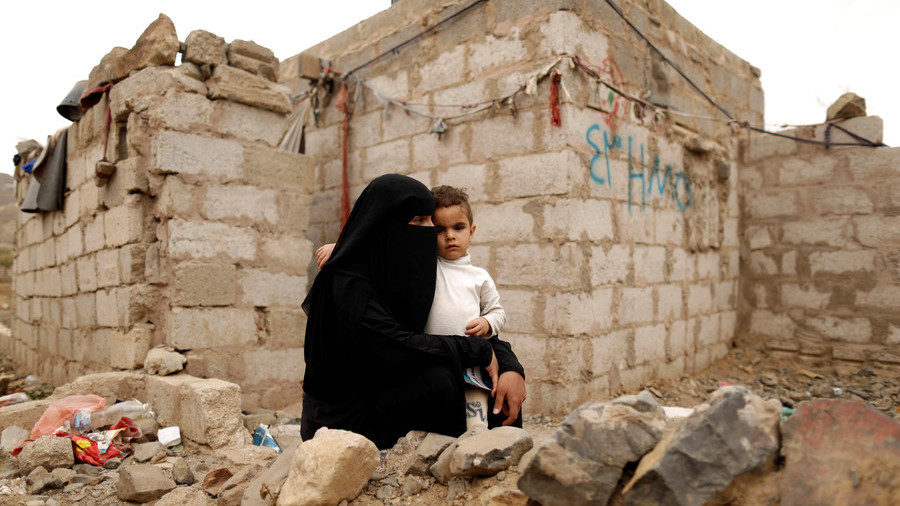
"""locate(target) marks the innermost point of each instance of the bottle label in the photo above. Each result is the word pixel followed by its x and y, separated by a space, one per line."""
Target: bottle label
pixel 83 422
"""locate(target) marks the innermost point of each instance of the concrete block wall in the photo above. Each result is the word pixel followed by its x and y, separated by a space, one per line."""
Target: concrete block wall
pixel 196 242
pixel 613 238
pixel 820 241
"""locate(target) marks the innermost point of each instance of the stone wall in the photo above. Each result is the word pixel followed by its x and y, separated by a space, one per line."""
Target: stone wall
pixel 196 242
pixel 821 236
pixel 614 237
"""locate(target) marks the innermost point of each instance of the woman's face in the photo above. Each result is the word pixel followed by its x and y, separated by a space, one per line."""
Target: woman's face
pixel 422 221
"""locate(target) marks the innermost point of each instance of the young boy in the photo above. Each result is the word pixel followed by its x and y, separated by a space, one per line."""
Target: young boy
pixel 465 296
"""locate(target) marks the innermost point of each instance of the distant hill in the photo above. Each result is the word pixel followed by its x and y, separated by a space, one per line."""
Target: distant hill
pixel 8 208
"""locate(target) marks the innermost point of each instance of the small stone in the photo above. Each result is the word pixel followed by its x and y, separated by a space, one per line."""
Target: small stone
pixel 83 468
pixel 232 490
pixel 456 489
pixel 149 427
pixel 441 467
pixel 490 452
pixel 185 496
pixel 37 480
pixel 428 452
pixel 385 493
pixel 181 472
pixel 13 437
pixel 146 451
pixel 162 362
pixel 63 475
pixel 204 48
pixel 768 379
pixel 215 480
pixel 411 486
pixel 48 452
pixel 112 463
pixel 142 483
pixel 848 105
pixel 231 83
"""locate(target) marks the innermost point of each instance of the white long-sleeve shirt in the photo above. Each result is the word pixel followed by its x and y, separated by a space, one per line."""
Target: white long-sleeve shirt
pixel 463 292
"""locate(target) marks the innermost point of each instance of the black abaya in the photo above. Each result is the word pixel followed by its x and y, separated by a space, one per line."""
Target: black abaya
pixel 370 368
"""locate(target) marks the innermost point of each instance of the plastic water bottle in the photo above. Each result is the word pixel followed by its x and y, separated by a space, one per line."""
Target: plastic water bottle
pixel 85 422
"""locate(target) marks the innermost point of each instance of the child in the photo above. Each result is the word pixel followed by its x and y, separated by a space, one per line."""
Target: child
pixel 465 297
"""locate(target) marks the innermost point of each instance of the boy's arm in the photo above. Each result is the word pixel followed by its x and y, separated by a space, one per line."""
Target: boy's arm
pixel 491 310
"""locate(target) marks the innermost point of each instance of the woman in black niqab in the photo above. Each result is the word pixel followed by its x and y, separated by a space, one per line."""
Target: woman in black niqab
pixel 369 366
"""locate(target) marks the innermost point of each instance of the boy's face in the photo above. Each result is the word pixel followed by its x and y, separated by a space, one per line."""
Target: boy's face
pixel 454 231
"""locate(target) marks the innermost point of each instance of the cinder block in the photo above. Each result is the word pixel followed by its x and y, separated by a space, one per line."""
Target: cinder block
pixel 795 171
pixel 560 267
pixel 579 313
pixel 74 242
pixel 649 343
pixel 539 174
pixel 275 168
pixel 93 234
pixel 858 330
pixel 249 123
pixel 86 268
pixel 199 239
pixel 763 146
pixel 839 262
pixel 387 158
pixel 507 221
pixel 579 219
pixel 789 263
pixel 796 296
pixel 107 308
pixel 210 328
pixel 877 231
pixel 678 339
pixel 610 266
pixel 771 324
pixel 495 52
pixel 683 265
pixel 872 163
pixel 293 211
pixel 261 288
pixel 830 232
pixel 129 349
pixel 235 202
pixel 196 155
pixel 447 68
pixel 709 330
pixel 107 267
pixel 521 310
pixel 669 226
pixel 124 224
pixel 208 411
pixel 724 295
pixel 669 302
pixel 429 151
pixel 771 204
pixel 649 264
pixel 131 262
pixel 762 264
pixel 708 265
pixel 270 366
pixel 205 284
pixel 287 327
pixel 637 226
pixel 841 200
pixel 291 253
pixel 180 111
pixel 882 297
pixel 68 281
pixel 636 305
pixel 699 299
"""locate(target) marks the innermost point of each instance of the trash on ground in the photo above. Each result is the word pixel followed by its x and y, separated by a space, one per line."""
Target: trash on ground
pixel 169 436
pixel 262 437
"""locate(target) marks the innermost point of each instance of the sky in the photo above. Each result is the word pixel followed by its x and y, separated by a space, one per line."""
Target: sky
pixel 809 51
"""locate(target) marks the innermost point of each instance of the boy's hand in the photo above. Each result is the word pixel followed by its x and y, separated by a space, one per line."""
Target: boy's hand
pixel 493 370
pixel 477 327
pixel 323 254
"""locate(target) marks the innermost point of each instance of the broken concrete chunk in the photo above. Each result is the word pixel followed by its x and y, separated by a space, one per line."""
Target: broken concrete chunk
pixel 241 86
pixel 204 48
pixel 490 452
pixel 164 362
pixel 286 436
pixel 333 466
pixel 148 427
pixel 253 66
pixel 146 451
pixel 735 434
pixel 582 461
pixel 837 452
pixel 253 50
pixel 13 437
pixel 142 483
pixel 158 45
pixel 185 496
pixel 48 452
pixel 181 472
pixel 264 488
pixel 428 452
pixel 848 105
pixel 441 467
pixel 110 68
pixel 136 93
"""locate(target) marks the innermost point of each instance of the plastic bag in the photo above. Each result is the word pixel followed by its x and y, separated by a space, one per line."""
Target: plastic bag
pixel 63 410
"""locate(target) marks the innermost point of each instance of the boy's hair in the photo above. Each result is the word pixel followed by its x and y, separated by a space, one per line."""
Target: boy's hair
pixel 448 196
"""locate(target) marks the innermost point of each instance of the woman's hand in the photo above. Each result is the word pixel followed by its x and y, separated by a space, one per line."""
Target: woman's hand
pixel 478 327
pixel 493 369
pixel 323 254
pixel 510 395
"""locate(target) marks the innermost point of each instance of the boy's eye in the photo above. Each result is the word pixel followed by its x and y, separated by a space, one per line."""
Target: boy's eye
pixel 460 228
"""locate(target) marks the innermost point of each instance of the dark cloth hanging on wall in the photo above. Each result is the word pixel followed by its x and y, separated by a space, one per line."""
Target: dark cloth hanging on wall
pixel 47 184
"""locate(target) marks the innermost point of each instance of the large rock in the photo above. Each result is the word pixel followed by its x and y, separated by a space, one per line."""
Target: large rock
pixel 142 483
pixel 241 86
pixel 158 45
pixel 331 467
pixel 141 88
pixel 253 58
pixel 110 67
pixel 164 362
pixel 582 461
pixel 848 105
pixel 263 490
pixel 48 452
pixel 428 452
pixel 204 48
pixel 732 437
pixel 840 452
pixel 490 452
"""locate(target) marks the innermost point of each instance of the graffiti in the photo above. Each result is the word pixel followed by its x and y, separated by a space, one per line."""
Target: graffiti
pixel 474 409
pixel 610 101
pixel 679 191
